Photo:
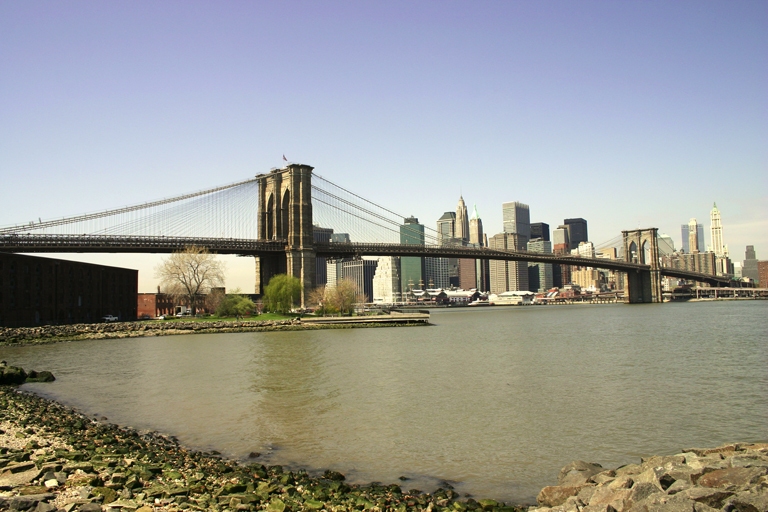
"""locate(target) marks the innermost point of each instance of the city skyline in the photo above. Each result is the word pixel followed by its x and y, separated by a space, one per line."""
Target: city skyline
pixel 629 115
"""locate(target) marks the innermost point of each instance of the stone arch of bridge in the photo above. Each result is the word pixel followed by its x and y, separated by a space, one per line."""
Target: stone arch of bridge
pixel 285 213
pixel 641 246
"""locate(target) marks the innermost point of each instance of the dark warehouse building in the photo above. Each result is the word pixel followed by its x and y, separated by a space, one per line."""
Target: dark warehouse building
pixel 44 291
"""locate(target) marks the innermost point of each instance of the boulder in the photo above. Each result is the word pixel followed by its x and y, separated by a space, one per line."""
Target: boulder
pixel 749 501
pixel 12 375
pixel 578 472
pixel 44 376
pixel 555 495
pixel 731 477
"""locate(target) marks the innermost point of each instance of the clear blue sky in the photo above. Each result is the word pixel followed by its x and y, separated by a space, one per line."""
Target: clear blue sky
pixel 629 114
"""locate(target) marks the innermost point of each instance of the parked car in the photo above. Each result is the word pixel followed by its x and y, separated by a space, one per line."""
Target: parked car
pixel 109 318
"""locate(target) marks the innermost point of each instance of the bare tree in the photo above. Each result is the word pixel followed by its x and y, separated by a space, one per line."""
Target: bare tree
pixel 190 273
pixel 317 298
pixel 344 296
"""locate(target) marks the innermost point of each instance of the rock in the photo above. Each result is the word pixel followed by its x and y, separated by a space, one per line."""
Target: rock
pixel 44 376
pixel 12 375
pixel 749 501
pixel 9 479
pixel 578 472
pixel 641 491
pixel 615 498
pixel 731 477
pixel 42 506
pixel 555 495
pixel 108 495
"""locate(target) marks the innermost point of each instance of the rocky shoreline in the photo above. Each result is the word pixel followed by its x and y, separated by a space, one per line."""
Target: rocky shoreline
pixel 730 478
pixel 53 458
pixel 115 330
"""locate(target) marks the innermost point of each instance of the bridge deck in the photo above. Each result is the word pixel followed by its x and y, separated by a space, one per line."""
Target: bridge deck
pixel 27 243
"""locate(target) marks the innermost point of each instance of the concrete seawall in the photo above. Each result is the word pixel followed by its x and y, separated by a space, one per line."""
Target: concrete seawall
pixel 115 330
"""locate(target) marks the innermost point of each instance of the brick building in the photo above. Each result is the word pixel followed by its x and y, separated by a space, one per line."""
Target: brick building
pixel 151 305
pixel 41 291
pixel 762 274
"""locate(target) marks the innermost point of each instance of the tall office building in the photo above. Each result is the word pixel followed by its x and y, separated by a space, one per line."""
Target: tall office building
pixel 446 235
pixel 693 236
pixel 477 239
pixel 542 272
pixel 386 280
pixel 411 267
pixel 666 245
pixel 475 228
pixel 446 228
pixel 749 267
pixel 360 272
pixel 461 229
pixel 577 231
pixel 516 218
pixel 436 273
pixel 321 235
pixel 506 276
pixel 762 274
pixel 716 232
pixel 561 244
pixel 685 232
pixel 333 273
pixel 540 230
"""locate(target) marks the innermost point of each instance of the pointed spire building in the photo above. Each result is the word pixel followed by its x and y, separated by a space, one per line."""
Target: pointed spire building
pixel 462 221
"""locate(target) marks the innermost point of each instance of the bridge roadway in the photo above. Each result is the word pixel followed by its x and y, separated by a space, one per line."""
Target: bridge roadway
pixel 28 243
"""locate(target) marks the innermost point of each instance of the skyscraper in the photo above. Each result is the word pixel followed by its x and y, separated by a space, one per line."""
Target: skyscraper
pixel 475 228
pixel 541 271
pixel 749 267
pixel 477 239
pixel 462 221
pixel 693 236
pixel 685 232
pixel 577 231
pixel 321 235
pixel 411 267
pixel 508 276
pixel 561 245
pixel 516 218
pixel 386 280
pixel 540 230
pixel 446 228
pixel 446 235
pixel 361 272
pixel 716 232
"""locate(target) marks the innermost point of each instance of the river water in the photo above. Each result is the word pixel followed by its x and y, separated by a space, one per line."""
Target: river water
pixel 492 400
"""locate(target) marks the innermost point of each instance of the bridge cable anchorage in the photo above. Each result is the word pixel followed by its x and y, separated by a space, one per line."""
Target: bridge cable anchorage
pixel 20 228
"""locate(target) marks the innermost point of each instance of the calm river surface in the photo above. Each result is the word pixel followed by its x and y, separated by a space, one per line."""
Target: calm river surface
pixel 492 400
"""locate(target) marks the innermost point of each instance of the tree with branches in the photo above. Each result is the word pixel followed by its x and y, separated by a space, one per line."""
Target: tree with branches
pixel 317 298
pixel 236 304
pixel 344 296
pixel 190 273
pixel 282 292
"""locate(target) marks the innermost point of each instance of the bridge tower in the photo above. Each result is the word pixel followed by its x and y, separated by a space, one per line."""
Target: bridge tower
pixel 641 246
pixel 285 213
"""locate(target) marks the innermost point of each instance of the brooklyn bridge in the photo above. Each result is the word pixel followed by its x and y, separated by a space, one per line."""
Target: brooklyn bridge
pixel 272 217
